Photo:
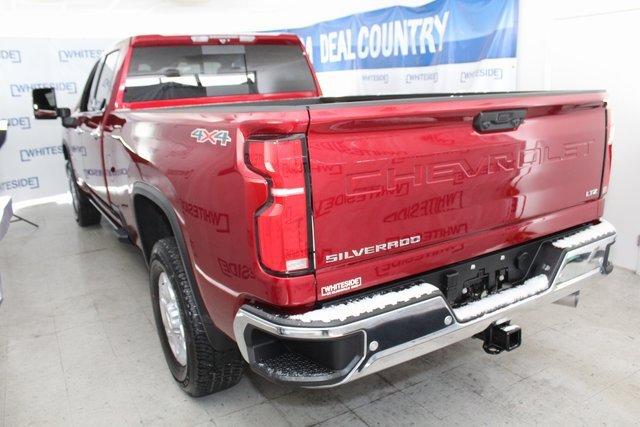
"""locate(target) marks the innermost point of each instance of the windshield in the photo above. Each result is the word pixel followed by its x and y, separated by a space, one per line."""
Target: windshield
pixel 175 72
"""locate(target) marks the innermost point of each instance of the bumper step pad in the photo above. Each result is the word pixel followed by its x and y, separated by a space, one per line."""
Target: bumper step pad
pixel 287 365
pixel 585 236
pixel 370 304
pixel 502 299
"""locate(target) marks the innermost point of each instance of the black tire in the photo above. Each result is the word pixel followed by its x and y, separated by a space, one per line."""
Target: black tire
pixel 86 214
pixel 207 370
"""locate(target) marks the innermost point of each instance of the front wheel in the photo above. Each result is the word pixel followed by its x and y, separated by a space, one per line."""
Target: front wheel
pixel 85 213
pixel 195 364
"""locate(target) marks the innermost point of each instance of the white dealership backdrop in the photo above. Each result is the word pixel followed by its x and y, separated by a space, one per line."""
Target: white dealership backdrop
pixel 543 62
pixel 585 44
pixel 31 161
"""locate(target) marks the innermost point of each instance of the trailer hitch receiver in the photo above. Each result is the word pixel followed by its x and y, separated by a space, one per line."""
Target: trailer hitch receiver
pixel 500 336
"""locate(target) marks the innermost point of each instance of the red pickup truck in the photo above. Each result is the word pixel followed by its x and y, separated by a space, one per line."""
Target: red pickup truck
pixel 319 240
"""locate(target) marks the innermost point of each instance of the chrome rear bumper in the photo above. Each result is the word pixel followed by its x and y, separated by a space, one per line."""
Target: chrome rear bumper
pixel 386 338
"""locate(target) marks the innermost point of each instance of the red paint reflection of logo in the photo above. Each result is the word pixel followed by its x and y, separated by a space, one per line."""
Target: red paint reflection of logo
pixel 233 269
pixel 217 219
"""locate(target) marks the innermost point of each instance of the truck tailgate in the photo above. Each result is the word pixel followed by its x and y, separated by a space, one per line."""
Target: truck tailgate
pixel 393 176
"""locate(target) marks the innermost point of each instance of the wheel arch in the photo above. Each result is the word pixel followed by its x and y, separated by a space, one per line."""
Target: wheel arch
pixel 145 195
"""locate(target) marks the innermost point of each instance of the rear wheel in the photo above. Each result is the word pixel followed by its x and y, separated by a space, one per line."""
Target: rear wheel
pixel 195 364
pixel 86 214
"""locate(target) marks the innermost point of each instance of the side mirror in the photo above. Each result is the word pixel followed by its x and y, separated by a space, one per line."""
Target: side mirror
pixel 44 104
pixel 4 125
pixel 69 122
pixel 63 113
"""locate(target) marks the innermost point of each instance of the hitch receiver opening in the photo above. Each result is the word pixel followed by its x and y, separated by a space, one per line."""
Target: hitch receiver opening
pixel 500 336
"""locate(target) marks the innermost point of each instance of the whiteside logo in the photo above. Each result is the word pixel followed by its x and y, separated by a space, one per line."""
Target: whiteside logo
pixel 354 253
pixel 336 288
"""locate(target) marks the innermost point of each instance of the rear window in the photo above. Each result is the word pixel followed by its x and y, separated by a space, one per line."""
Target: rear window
pixel 175 72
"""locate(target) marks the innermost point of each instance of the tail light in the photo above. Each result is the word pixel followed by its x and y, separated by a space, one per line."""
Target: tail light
pixel 611 124
pixel 608 153
pixel 283 223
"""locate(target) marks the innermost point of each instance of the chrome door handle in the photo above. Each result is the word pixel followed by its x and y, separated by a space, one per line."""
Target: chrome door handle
pixel 95 133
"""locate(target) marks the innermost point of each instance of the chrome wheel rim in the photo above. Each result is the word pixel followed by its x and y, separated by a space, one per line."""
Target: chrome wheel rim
pixel 171 319
pixel 72 188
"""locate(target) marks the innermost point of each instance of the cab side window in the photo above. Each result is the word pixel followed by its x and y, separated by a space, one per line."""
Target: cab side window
pixel 86 92
pixel 101 89
pixel 94 84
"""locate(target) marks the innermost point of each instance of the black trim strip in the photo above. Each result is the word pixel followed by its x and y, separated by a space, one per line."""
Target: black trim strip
pixel 325 103
pixel 104 210
pixel 361 100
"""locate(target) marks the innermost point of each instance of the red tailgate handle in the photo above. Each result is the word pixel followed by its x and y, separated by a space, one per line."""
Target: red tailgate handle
pixel 497 121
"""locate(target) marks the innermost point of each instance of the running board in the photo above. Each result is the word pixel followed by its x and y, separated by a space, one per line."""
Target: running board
pixel 121 234
pixel 119 231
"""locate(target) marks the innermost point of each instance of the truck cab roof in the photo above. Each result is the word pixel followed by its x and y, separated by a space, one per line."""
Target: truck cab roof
pixel 245 38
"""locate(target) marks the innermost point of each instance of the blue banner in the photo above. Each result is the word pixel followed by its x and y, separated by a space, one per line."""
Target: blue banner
pixel 441 32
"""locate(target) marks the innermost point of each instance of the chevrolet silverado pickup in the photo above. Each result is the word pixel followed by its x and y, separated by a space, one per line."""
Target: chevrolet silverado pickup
pixel 318 240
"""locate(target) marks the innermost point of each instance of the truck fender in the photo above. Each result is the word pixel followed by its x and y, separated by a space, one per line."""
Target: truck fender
pixel 218 339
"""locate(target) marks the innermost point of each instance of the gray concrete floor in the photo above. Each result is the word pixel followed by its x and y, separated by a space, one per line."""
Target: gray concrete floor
pixel 78 346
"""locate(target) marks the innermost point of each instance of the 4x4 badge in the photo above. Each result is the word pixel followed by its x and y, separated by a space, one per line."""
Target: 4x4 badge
pixel 214 137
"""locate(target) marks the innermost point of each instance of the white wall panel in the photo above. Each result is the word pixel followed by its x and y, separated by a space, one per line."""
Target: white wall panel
pixel 585 44
pixel 31 161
